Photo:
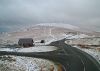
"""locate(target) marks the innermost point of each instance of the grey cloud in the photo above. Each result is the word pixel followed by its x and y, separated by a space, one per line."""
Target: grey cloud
pixel 74 12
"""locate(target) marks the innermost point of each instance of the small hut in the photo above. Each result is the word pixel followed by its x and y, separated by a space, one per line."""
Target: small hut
pixel 26 42
pixel 42 41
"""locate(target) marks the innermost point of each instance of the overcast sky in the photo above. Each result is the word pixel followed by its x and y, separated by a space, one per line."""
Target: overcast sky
pixel 85 13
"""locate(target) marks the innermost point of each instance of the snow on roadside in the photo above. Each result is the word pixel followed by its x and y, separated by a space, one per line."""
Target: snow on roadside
pixel 26 64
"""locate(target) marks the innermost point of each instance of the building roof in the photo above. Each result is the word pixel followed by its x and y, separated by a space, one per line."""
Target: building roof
pixel 25 40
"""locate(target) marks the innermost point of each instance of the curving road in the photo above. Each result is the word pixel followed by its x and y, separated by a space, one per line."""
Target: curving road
pixel 72 59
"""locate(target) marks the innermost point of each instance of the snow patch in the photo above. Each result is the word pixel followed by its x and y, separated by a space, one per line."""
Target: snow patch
pixel 73 36
pixel 31 49
pixel 38 49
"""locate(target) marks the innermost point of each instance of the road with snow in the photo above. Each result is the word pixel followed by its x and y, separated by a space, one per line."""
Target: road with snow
pixel 71 59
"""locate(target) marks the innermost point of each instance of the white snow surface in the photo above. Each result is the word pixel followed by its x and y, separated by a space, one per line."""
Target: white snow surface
pixel 27 64
pixel 31 49
pixel 38 49
pixel 6 49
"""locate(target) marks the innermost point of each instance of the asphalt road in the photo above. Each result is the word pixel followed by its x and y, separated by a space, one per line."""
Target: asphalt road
pixel 71 58
pixel 89 63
